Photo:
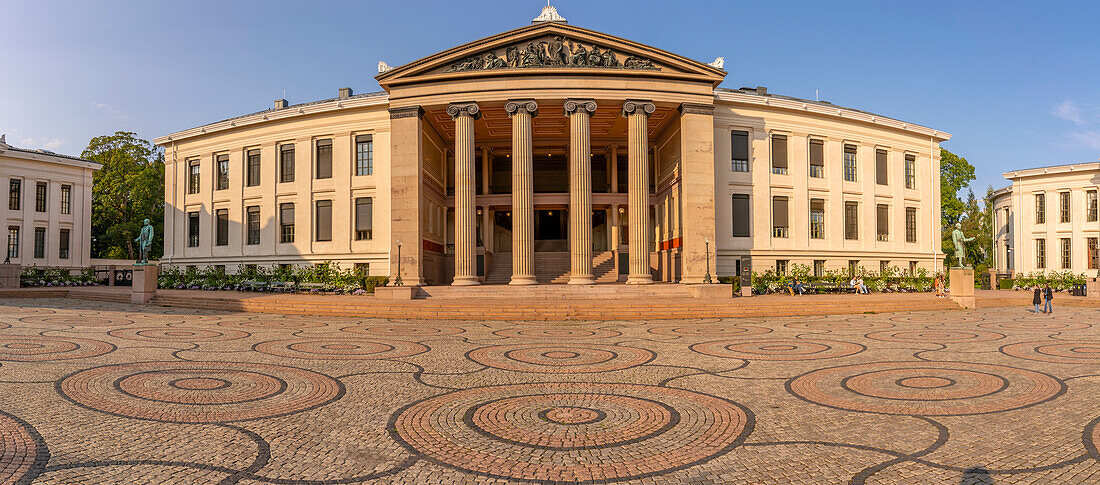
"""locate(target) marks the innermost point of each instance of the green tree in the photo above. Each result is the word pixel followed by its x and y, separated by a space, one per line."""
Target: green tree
pixel 955 174
pixel 127 190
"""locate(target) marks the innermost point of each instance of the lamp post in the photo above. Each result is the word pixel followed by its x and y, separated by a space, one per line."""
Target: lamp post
pixel 397 281
pixel 706 277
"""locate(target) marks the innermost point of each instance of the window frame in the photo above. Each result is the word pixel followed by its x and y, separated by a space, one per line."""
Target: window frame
pixel 736 163
pixel 910 171
pixel 194 177
pixel 851 163
pixel 733 215
pixel 286 176
pixel 1066 249
pixel 910 224
pixel 817 171
pixel 15 237
pixel 252 177
pixel 39 243
pixel 364 167
pixel 817 227
pixel 781 231
pixel 286 230
pixel 193 229
pixel 882 228
pixel 882 167
pixel 318 159
pixel 1091 205
pixel 66 199
pixel 41 196
pixel 851 220
pixel 221 171
pixel 779 145
pixel 15 194
pixel 1040 208
pixel 360 234
pixel 64 242
pixel 252 218
pixel 1065 204
pixel 317 204
pixel 221 238
pixel 1040 254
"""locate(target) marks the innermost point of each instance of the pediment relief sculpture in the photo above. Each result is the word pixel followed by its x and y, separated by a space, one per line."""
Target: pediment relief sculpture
pixel 556 51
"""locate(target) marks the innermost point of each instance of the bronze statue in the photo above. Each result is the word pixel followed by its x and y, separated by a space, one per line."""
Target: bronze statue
pixel 145 242
pixel 960 239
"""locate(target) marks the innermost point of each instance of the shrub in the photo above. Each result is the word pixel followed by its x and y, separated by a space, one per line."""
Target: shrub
pixel 39 276
pixel 329 274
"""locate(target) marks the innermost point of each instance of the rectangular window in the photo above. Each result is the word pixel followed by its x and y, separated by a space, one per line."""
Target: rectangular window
pixel 40 197
pixel 221 229
pixel 362 269
pixel 286 163
pixel 779 154
pixel 851 220
pixel 912 268
pixel 66 199
pixel 252 220
pixel 63 244
pixel 193 177
pixel 192 229
pixel 15 194
pixel 779 217
pixel 883 266
pixel 1040 208
pixel 364 155
pixel 740 143
pixel 1094 256
pixel 910 172
pixel 882 168
pixel 882 213
pixel 817 219
pixel 13 241
pixel 851 169
pixel 819 268
pixel 781 266
pixel 1090 203
pixel 1067 259
pixel 324 220
pixel 853 267
pixel 286 223
pixel 910 224
pixel 1064 206
pixel 741 221
pixel 40 242
pixel 1040 254
pixel 817 159
pixel 253 170
pixel 324 159
pixel 364 218
pixel 222 172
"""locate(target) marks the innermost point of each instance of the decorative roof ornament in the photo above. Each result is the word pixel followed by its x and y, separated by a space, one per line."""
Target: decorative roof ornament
pixel 383 67
pixel 719 63
pixel 4 141
pixel 549 14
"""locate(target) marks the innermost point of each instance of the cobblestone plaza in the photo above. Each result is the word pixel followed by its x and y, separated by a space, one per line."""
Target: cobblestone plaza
pixel 109 393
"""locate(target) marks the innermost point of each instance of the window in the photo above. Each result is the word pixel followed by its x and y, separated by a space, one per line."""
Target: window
pixel 882 168
pixel 1067 259
pixel 13 241
pixel 910 172
pixel 66 199
pixel 286 163
pixel 1094 257
pixel 1040 208
pixel 364 155
pixel 362 269
pixel 40 197
pixel 781 266
pixel 15 193
pixel 364 218
pixel 252 221
pixel 779 217
pixel 324 159
pixel 913 268
pixel 1064 206
pixel 193 177
pixel 1040 254
pixel 40 242
pixel 324 220
pixel 851 220
pixel 779 154
pixel 221 229
pixel 817 159
pixel 63 244
pixel 192 229
pixel 882 213
pixel 222 174
pixel 740 144
pixel 741 221
pixel 817 219
pixel 286 222
pixel 253 167
pixel 883 267
pixel 819 268
pixel 853 267
pixel 850 167
pixel 910 224
pixel 1090 203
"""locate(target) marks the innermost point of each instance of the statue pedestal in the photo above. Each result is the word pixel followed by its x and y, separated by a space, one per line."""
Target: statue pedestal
pixel 961 286
pixel 711 291
pixel 395 292
pixel 9 275
pixel 145 284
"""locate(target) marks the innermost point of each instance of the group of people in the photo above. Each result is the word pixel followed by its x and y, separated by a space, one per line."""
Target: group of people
pixel 1041 294
pixel 795 286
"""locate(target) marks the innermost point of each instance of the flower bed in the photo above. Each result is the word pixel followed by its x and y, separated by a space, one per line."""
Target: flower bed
pixel 44 277
pixel 317 278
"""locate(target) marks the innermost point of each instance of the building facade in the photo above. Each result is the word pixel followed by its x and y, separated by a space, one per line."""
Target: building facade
pixel 536 155
pixel 47 216
pixel 1046 221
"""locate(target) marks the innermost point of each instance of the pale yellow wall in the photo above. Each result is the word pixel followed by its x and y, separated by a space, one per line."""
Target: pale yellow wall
pixel 1076 180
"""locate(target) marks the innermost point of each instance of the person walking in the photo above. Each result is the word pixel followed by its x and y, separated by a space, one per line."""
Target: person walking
pixel 939 288
pixel 1037 299
pixel 1048 295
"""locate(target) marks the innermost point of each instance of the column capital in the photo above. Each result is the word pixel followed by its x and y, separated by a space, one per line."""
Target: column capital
pixel 406 112
pixel 632 106
pixel 516 106
pixel 697 109
pixel 577 105
pixel 470 109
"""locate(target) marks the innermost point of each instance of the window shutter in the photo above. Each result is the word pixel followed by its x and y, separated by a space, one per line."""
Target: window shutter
pixel 324 220
pixel 817 153
pixel 740 145
pixel 364 217
pixel 779 211
pixel 851 220
pixel 883 219
pixel 880 167
pixel 779 151
pixel 286 213
pixel 740 215
pixel 324 159
pixel 364 138
pixel 817 205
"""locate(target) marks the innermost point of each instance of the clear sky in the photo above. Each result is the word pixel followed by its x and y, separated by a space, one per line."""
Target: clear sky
pixel 1016 83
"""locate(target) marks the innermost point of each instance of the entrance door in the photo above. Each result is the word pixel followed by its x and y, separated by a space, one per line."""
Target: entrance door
pixel 551 230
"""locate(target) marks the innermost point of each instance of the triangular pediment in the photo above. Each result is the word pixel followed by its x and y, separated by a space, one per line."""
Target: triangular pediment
pixel 551 48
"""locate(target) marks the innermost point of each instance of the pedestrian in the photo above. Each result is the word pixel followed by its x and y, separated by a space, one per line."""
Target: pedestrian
pixel 1037 299
pixel 939 287
pixel 1048 295
pixel 798 288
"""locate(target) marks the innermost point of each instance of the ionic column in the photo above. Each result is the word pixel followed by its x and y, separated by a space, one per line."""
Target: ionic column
pixel 580 190
pixel 464 115
pixel 637 114
pixel 523 207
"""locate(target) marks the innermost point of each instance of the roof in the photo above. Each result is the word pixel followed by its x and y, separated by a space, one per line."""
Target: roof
pixel 1052 169
pixel 35 153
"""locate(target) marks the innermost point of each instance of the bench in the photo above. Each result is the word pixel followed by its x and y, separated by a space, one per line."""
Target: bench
pixel 282 286
pixel 829 288
pixel 254 285
pixel 312 286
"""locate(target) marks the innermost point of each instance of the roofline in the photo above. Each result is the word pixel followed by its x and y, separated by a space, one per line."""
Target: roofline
pixel 49 157
pixel 828 109
pixel 1054 169
pixel 1002 192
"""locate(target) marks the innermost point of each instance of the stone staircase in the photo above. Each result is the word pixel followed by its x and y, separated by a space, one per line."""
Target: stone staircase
pixel 551 268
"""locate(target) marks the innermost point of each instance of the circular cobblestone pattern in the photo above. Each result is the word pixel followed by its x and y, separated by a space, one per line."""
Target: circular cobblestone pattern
pixel 778 349
pixel 21 450
pixel 552 333
pixel 42 349
pixel 177 334
pixel 1032 325
pixel 1057 351
pixel 340 348
pixel 572 432
pixel 935 336
pixel 709 330
pixel 561 359
pixel 78 320
pixel 405 330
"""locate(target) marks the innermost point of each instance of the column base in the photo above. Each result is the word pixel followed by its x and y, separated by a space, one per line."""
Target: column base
pixel 639 280
pixel 582 280
pixel 523 281
pixel 466 281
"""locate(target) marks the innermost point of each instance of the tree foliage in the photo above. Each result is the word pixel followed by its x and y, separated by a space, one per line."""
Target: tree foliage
pixel 956 174
pixel 127 190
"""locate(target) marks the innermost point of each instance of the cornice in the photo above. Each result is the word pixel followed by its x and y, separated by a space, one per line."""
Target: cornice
pixel 1056 170
pixel 36 156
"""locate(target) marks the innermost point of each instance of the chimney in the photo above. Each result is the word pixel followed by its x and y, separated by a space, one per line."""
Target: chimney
pixel 281 104
pixel 761 90
pixel 345 93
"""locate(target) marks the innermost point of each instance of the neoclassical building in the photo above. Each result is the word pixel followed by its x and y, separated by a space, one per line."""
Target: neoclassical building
pixel 555 154
pixel 1046 221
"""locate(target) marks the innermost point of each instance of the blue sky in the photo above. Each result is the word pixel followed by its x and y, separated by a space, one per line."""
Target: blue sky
pixel 1016 83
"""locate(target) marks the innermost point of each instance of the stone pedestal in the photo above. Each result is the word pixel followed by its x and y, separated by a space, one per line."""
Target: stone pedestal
pixel 395 292
pixel 145 283
pixel 1092 288
pixel 746 290
pixel 9 275
pixel 961 286
pixel 711 291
